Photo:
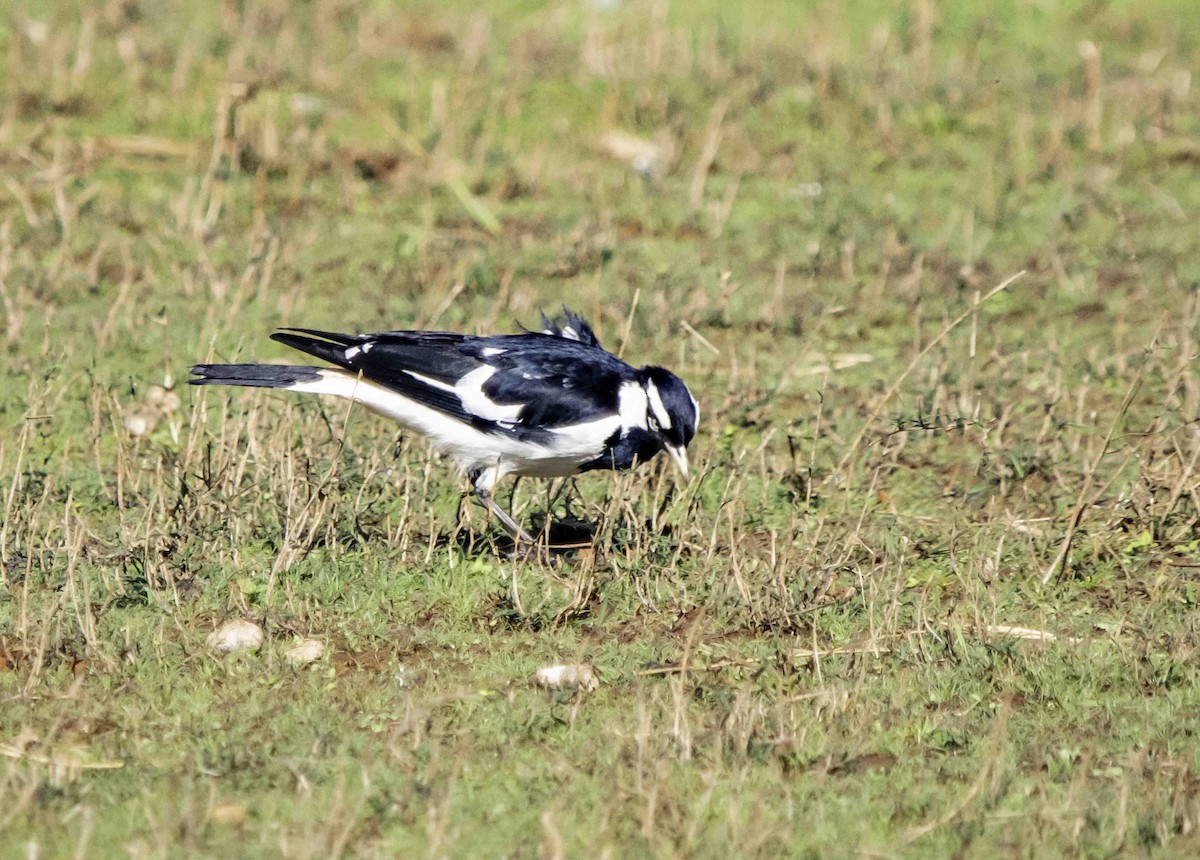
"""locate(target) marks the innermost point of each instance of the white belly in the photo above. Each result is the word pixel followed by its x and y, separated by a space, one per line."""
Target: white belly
pixel 569 447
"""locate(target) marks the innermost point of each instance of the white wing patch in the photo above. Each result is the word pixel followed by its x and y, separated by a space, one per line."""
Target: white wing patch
pixel 430 381
pixel 469 390
pixel 355 350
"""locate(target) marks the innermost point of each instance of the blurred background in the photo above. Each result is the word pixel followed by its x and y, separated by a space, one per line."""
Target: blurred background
pixel 740 164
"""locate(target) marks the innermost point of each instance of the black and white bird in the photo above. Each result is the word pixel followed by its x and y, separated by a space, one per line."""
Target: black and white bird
pixel 542 404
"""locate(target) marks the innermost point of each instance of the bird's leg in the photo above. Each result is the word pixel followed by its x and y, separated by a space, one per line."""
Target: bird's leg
pixel 524 543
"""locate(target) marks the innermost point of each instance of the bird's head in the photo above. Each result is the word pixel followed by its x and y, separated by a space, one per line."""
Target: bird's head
pixel 671 412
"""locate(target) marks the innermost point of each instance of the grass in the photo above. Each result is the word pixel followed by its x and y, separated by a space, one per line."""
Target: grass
pixel 931 592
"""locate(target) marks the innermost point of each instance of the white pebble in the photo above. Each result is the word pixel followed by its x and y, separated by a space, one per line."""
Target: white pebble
pixel 307 106
pixel 240 635
pixel 807 190
pixel 304 652
pixel 162 399
pixel 138 424
pixel 37 32
pixel 581 677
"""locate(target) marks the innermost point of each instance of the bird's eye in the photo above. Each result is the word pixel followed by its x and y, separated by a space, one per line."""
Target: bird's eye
pixel 653 422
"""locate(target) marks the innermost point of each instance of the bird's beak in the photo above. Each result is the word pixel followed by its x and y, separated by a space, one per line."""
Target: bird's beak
pixel 679 455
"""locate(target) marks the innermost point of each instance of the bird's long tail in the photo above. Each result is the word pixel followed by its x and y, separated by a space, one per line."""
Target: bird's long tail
pixel 254 375
pixel 328 381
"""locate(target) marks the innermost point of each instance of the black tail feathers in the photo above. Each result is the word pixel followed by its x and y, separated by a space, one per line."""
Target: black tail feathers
pixel 253 375
pixel 322 344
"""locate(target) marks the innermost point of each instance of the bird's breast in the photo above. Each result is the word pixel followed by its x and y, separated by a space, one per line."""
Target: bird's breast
pixel 626 448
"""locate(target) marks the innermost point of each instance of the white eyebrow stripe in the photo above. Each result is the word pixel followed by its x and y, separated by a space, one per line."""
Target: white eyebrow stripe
pixel 657 406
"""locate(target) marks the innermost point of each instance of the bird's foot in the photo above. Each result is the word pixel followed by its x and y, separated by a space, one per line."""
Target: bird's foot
pixel 532 552
pixel 561 540
pixel 524 547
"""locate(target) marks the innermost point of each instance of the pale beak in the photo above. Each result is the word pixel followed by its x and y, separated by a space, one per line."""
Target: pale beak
pixel 679 455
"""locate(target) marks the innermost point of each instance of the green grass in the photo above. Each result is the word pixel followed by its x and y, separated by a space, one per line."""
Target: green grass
pixel 817 647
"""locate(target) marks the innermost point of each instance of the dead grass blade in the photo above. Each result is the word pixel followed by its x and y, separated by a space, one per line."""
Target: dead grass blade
pixel 1086 497
pixel 877 407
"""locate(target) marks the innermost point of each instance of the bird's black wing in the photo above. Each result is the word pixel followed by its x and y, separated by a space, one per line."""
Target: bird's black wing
pixel 558 381
pixel 391 359
pixel 555 381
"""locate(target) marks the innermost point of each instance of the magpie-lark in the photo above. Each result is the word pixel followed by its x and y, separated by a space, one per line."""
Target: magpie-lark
pixel 543 404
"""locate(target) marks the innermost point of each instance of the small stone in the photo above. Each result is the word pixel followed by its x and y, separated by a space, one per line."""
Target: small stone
pixel 239 635
pixel 37 32
pixel 643 156
pixel 307 105
pixel 581 677
pixel 229 814
pixel 139 423
pixel 162 399
pixel 304 652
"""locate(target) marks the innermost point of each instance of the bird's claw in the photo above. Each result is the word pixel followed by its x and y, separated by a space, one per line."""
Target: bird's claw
pixel 529 551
